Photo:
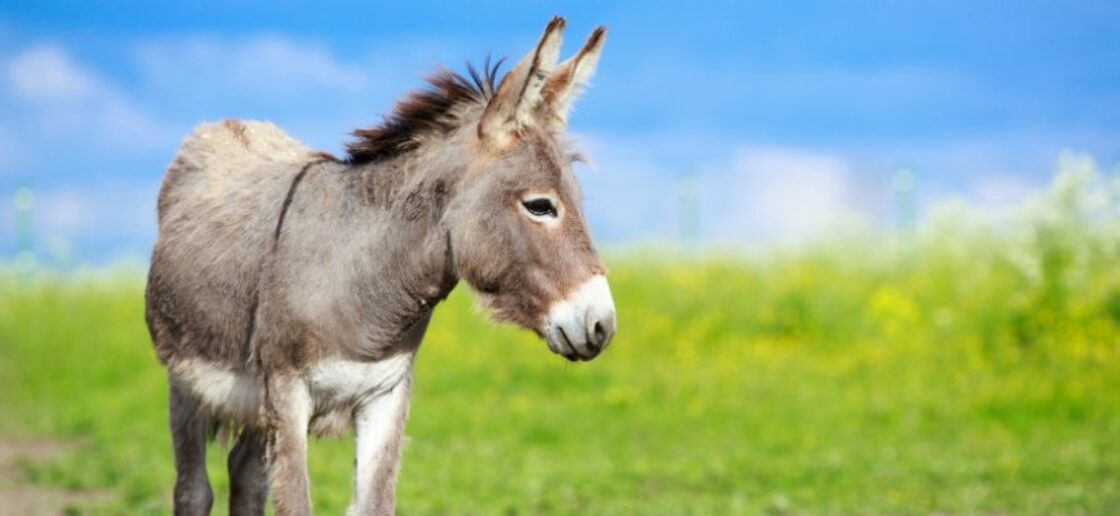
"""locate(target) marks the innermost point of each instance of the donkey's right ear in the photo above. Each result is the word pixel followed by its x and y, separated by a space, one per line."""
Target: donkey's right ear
pixel 514 104
pixel 569 80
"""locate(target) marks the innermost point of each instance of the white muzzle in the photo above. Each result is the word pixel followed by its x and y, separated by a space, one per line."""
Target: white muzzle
pixel 580 326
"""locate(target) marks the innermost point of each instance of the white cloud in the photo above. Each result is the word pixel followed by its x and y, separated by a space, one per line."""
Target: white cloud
pixel 999 194
pixel 46 72
pixel 744 195
pixel 747 194
pixel 775 194
pixel 65 105
pixel 311 90
pixel 118 131
pixel 633 191
pixel 116 217
pixel 277 59
pixel 98 210
pixel 756 195
pixel 265 65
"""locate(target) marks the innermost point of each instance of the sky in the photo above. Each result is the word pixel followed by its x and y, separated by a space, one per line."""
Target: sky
pixel 761 122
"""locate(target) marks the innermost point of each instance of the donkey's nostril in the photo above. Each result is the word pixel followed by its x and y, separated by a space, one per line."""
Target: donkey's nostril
pixel 600 332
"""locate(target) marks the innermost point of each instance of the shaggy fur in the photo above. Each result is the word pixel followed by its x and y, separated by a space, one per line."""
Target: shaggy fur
pixel 436 110
pixel 289 291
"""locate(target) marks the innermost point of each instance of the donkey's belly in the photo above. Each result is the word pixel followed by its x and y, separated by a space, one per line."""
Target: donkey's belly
pixel 225 393
pixel 337 386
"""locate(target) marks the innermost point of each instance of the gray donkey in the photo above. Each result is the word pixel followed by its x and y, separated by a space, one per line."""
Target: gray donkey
pixel 289 290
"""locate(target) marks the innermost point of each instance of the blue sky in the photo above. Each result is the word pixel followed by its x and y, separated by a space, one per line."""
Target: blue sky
pixel 791 118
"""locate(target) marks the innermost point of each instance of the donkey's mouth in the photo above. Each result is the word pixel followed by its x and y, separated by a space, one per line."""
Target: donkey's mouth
pixel 562 345
pixel 581 326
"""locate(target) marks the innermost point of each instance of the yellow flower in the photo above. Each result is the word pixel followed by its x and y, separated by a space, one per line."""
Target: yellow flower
pixel 894 314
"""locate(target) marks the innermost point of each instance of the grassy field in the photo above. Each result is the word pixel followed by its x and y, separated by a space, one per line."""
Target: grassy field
pixel 969 368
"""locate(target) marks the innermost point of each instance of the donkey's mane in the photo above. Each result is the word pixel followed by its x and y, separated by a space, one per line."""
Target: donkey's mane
pixel 429 110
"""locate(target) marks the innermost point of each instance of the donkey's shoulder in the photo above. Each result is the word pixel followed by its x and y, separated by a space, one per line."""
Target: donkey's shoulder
pixel 222 160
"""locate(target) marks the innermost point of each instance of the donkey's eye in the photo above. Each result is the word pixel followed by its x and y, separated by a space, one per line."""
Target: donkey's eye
pixel 540 207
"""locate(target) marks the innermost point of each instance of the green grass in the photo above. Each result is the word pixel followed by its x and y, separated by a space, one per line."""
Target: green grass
pixel 965 370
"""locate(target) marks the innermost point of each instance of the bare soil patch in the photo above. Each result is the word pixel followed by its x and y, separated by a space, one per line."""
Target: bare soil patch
pixel 17 497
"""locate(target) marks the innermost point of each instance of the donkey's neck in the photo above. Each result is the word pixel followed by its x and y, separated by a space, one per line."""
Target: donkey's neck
pixel 408 267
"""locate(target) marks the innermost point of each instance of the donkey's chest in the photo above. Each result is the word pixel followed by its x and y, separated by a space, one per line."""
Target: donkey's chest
pixel 336 382
pixel 338 386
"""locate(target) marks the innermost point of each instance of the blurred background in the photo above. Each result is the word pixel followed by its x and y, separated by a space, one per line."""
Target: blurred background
pixel 864 254
pixel 742 123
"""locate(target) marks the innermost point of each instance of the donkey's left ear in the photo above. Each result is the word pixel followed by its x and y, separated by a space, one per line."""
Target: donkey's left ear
pixel 513 105
pixel 569 80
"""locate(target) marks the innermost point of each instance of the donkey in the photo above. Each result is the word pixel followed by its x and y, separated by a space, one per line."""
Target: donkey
pixel 289 290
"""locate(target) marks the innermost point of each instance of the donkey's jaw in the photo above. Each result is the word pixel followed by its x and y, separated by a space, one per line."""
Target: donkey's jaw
pixel 581 325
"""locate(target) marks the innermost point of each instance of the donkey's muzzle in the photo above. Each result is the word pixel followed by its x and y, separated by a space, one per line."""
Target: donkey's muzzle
pixel 582 325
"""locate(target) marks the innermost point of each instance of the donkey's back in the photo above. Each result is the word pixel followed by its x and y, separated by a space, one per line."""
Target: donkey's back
pixel 218 206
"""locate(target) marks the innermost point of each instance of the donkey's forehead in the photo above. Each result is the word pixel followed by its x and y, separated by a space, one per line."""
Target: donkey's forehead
pixel 538 164
pixel 551 158
pixel 537 160
pixel 548 149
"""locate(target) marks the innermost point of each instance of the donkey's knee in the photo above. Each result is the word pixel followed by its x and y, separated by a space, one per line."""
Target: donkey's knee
pixel 193 497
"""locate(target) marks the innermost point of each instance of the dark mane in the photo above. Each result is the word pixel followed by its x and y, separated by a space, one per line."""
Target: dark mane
pixel 425 111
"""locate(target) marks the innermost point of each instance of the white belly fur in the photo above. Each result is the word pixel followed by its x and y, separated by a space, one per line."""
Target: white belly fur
pixel 336 386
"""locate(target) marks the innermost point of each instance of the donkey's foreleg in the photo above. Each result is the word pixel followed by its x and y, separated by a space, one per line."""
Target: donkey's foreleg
pixel 288 406
pixel 188 436
pixel 380 427
pixel 248 476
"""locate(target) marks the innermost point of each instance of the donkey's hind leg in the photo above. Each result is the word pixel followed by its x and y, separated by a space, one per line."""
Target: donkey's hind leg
pixel 188 436
pixel 248 474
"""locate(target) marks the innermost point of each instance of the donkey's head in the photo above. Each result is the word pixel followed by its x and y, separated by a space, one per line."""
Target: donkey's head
pixel 518 232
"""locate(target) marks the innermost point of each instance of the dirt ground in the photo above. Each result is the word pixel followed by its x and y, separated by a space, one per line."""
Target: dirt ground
pixel 17 497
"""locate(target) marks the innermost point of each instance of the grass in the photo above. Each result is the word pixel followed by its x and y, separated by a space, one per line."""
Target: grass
pixel 972 368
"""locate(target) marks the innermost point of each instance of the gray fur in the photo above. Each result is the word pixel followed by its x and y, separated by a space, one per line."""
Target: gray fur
pixel 274 261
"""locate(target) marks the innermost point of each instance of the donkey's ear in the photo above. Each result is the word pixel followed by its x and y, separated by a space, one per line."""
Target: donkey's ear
pixel 570 78
pixel 514 104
